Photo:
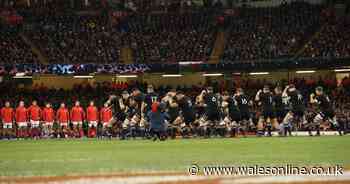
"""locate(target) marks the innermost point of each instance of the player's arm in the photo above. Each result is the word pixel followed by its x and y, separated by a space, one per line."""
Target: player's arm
pixel 313 98
pixel 122 105
pixel 257 96
pixel 284 93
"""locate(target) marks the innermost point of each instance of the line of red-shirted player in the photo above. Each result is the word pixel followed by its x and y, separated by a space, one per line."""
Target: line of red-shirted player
pixel 28 120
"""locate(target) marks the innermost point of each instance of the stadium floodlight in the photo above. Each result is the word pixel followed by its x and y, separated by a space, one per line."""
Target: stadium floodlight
pixel 22 77
pixel 190 62
pixel 342 70
pixel 172 75
pixel 236 73
pixel 83 76
pixel 259 73
pixel 126 76
pixel 305 71
pixel 212 74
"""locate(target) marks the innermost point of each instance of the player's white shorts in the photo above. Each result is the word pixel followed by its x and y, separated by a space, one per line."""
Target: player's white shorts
pixel 22 124
pixel 92 123
pixel 106 124
pixel 77 123
pixel 64 124
pixel 7 125
pixel 49 124
pixel 35 124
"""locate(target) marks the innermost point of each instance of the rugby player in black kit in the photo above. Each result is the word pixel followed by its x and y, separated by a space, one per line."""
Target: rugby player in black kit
pixel 297 107
pixel 243 106
pixel 212 110
pixel 268 116
pixel 233 112
pixel 187 111
pixel 326 111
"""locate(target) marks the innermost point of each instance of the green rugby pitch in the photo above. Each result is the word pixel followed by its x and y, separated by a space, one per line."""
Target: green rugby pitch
pixel 90 156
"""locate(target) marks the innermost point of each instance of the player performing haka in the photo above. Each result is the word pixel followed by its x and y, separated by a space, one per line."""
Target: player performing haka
pixel 326 111
pixel 267 119
pixel 297 107
pixel 243 106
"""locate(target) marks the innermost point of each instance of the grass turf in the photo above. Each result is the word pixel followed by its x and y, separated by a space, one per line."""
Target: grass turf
pixel 66 157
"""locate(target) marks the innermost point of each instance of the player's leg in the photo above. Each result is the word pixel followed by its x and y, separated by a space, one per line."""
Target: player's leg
pixel 260 126
pixel 287 121
pixel 317 122
pixel 268 126
pixel 4 131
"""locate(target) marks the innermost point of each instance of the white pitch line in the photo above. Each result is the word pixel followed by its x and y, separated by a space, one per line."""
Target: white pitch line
pixel 224 179
pixel 287 179
pixel 134 180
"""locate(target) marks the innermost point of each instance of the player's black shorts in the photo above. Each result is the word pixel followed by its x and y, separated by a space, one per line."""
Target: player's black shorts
pixel 213 116
pixel 189 118
pixel 245 115
pixel 235 116
pixel 281 113
pixel 298 112
pixel 268 114
pixel 327 114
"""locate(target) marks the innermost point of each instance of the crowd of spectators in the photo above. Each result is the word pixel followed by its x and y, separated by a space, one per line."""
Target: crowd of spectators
pixel 333 41
pixel 13 49
pixel 171 37
pixel 76 39
pixel 270 33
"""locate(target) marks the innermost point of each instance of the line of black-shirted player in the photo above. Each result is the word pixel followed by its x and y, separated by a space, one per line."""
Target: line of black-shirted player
pixel 214 114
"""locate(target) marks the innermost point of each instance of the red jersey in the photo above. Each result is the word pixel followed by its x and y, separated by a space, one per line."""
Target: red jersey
pixel 7 114
pixel 77 114
pixel 48 114
pixel 92 113
pixel 62 115
pixel 21 114
pixel 106 114
pixel 34 113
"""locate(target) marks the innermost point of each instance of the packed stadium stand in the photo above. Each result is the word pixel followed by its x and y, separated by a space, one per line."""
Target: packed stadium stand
pixel 13 50
pixel 170 33
pixel 270 33
pixel 171 37
pixel 332 41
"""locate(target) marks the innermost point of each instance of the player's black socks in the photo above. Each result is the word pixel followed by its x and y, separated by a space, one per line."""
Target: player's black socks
pixel 233 132
pixel 269 131
pixel 286 130
pixel 318 130
pixel 260 133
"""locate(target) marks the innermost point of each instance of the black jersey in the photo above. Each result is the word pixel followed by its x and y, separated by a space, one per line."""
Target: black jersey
pixel 187 109
pixel 186 105
pixel 212 102
pixel 266 100
pixel 118 112
pixel 232 106
pixel 278 100
pixel 173 111
pixel 324 103
pixel 296 100
pixel 242 103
